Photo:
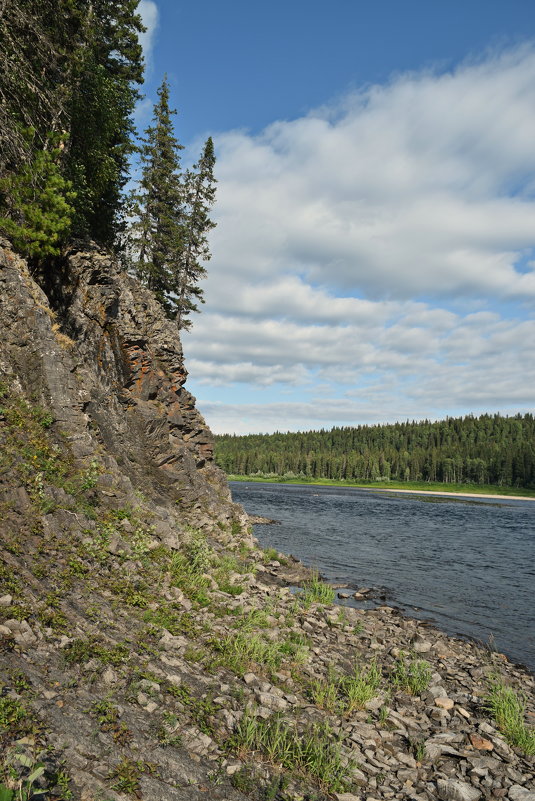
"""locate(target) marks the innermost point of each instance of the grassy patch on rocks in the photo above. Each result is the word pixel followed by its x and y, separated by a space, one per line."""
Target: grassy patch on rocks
pixel 508 710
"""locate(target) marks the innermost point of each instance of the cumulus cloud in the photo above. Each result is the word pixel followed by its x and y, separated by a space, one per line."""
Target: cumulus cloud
pixel 387 238
pixel 149 15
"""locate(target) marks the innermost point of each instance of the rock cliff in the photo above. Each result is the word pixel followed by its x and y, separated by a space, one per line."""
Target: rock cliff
pixel 92 346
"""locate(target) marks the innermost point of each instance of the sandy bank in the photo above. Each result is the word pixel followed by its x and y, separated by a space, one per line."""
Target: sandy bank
pixel 451 494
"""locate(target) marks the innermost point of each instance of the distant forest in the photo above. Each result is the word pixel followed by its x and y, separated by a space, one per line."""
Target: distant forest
pixel 490 449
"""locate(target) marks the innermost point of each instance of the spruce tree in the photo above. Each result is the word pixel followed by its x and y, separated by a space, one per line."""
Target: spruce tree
pixel 200 197
pixel 156 239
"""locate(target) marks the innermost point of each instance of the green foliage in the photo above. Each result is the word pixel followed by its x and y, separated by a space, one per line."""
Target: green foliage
pixel 126 775
pixel 343 693
pixel 413 676
pixel 25 790
pixel 37 203
pixel 68 71
pixel 314 751
pixel 508 710
pixel 316 591
pixel 489 450
pixel 168 240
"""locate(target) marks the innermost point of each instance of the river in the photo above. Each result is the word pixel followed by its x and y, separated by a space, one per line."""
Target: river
pixel 468 565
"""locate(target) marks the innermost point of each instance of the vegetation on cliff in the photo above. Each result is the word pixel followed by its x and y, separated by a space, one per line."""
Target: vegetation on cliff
pixel 490 449
pixel 70 73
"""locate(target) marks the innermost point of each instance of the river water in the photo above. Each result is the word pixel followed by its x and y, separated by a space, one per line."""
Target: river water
pixel 466 564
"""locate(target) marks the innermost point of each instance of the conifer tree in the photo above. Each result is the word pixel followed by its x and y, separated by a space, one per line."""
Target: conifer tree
pixel 157 237
pixel 168 241
pixel 200 197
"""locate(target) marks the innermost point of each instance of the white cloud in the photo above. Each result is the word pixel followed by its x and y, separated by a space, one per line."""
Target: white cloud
pixel 385 239
pixel 149 15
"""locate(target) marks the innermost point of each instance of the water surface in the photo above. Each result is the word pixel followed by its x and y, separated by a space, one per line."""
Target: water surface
pixel 467 564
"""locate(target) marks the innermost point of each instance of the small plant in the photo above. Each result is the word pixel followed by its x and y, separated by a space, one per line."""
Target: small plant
pixel 24 789
pixel 413 676
pixel 312 751
pixel 244 780
pixel 316 591
pixel 241 650
pixel 418 749
pixel 127 774
pixel 108 718
pixel 345 693
pixel 508 710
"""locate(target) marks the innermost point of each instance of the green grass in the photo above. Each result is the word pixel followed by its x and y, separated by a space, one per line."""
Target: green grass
pixel 508 710
pixel 341 693
pixel 316 591
pixel 420 486
pixel 413 676
pixel 314 751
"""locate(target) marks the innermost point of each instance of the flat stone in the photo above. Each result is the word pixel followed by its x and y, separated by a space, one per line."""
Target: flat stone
pixel 444 703
pixel 519 793
pixel 454 790
pixel 480 743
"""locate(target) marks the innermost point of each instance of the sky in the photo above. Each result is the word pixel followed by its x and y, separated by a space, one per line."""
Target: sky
pixel 374 255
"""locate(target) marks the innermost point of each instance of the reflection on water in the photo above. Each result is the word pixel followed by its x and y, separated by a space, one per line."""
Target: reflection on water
pixel 469 564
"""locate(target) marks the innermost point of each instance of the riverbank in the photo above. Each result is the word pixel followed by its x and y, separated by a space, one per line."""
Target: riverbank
pixel 412 487
pixel 207 675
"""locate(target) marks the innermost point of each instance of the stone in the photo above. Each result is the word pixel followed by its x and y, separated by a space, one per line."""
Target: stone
pixel 480 743
pixel 519 793
pixel 455 790
pixel 6 600
pixel 444 703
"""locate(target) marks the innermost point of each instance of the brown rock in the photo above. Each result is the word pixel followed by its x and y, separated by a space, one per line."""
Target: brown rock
pixel 480 743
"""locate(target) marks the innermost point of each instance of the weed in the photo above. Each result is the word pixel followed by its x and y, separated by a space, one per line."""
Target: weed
pixel 108 718
pixel 316 591
pixel 13 715
pixel 418 749
pixel 24 789
pixel 413 676
pixel 345 693
pixel 239 651
pixel 312 751
pixel 508 710
pixel 127 774
pixel 244 780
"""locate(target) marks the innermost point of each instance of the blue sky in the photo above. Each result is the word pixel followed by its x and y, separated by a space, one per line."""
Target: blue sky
pixel 373 259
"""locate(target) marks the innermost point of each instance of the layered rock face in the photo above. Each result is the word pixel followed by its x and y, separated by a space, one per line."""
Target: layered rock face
pixel 92 345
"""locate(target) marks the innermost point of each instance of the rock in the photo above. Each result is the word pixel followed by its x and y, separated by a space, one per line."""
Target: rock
pixel 6 600
pixel 480 743
pixel 422 646
pixel 519 793
pixel 455 790
pixel 444 703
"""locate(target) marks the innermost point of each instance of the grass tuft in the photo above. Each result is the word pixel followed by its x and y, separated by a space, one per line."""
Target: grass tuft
pixel 508 710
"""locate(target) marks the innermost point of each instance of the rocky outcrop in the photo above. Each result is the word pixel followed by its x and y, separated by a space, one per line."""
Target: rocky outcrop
pixel 92 345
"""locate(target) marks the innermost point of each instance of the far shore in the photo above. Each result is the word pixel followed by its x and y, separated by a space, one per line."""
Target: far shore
pixel 417 490
pixel 454 494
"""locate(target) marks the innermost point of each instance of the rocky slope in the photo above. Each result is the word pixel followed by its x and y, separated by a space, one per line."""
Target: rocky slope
pixel 148 647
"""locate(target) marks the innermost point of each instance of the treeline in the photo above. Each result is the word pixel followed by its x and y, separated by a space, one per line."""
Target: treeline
pixel 70 77
pixel 490 449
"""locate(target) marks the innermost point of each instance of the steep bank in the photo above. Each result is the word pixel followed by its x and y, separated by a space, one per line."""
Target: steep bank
pixel 139 619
